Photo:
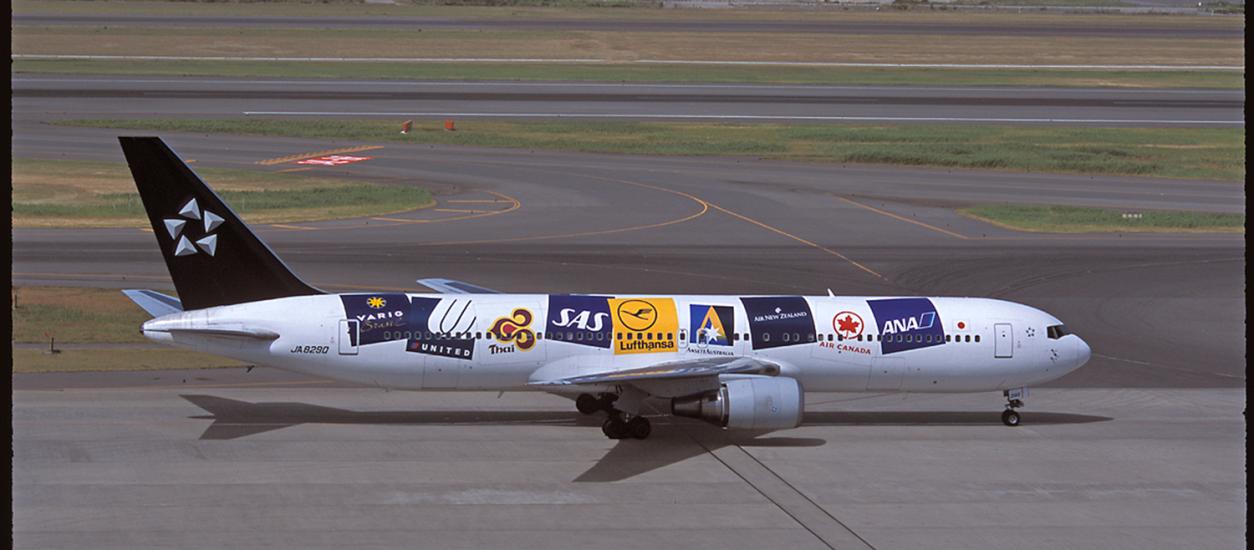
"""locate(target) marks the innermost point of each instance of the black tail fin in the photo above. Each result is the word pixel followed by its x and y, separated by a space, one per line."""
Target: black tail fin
pixel 212 256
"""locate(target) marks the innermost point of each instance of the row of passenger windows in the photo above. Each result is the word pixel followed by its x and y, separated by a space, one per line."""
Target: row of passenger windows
pixel 667 336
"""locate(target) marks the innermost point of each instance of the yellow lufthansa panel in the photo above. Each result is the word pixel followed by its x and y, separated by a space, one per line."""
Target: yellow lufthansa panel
pixel 644 325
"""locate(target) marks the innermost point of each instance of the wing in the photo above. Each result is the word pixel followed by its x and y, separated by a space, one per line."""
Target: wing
pixel 692 368
pixel 450 286
pixel 155 303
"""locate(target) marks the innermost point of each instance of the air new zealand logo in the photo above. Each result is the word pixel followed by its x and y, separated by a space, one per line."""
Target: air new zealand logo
pixel 182 243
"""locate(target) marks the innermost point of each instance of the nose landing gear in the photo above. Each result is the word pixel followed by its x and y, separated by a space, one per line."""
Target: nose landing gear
pixel 1014 400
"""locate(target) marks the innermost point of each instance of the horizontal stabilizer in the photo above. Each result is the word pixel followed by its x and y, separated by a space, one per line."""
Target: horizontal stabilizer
pixel 450 286
pixel 675 369
pixel 238 331
pixel 155 303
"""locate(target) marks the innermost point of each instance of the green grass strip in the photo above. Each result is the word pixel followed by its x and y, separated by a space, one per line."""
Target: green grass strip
pixel 1073 219
pixel 844 76
pixel 1194 153
pixel 128 205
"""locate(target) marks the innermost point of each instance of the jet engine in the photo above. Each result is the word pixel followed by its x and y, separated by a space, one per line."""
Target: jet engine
pixel 751 403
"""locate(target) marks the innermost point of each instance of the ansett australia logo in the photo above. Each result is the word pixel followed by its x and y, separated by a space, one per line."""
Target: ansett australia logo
pixel 513 331
pixel 648 325
pixel 711 328
pixel 581 320
pixel 178 229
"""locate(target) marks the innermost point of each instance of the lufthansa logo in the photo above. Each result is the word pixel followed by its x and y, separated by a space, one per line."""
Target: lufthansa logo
pixel 637 315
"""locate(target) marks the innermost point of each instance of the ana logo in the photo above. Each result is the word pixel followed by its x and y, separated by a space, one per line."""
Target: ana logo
pixel 637 314
pixel 847 324
pixel 513 329
pixel 376 302
pixel 923 321
pixel 208 242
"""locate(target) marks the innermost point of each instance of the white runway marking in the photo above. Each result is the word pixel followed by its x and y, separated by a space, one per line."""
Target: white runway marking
pixel 636 61
pixel 756 117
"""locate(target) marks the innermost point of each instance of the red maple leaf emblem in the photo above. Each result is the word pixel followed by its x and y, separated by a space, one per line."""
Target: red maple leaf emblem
pixel 848 324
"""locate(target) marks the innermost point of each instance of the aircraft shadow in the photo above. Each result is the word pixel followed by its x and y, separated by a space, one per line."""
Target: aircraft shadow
pixel 674 439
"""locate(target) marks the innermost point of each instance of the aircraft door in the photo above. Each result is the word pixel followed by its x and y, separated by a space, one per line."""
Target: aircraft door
pixel 347 336
pixel 1003 340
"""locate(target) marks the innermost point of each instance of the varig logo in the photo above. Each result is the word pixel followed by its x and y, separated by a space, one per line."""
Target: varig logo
pixel 376 302
pixel 513 330
pixel 208 242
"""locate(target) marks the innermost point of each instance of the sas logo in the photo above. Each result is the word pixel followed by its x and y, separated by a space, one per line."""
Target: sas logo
pixel 711 325
pixel 191 211
pixel 513 330
pixel 648 325
pixel 582 320
pixel 907 323
pixel 847 324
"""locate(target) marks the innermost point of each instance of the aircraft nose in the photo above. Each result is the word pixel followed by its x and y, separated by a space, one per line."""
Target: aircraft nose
pixel 1082 352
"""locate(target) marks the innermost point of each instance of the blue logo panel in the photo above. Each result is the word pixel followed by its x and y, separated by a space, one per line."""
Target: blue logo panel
pixel 711 325
pixel 907 323
pixel 578 319
pixel 380 317
pixel 779 321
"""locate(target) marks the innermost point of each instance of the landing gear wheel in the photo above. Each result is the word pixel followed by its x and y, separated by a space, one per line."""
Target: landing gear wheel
pixel 639 427
pixel 1010 417
pixel 587 404
pixel 614 428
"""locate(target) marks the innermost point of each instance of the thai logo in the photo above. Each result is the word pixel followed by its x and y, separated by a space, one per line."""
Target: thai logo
pixel 376 302
pixel 515 329
pixel 177 228
pixel 847 324
pixel 711 325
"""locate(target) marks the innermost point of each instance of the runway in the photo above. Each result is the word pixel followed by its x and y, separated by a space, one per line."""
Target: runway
pixel 1143 447
pixel 1028 27
pixel 126 97
pixel 206 465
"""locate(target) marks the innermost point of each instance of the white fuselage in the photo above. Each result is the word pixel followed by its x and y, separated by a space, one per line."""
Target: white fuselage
pixel 506 341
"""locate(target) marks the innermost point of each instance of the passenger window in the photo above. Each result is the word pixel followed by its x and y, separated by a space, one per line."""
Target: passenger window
pixel 539 336
pixel 736 336
pixel 977 338
pixel 670 336
pixel 766 337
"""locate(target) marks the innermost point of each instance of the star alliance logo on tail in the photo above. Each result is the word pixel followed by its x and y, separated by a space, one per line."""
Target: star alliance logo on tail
pixel 191 211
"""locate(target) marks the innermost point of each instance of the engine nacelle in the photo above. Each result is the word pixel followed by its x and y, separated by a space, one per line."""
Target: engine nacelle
pixel 750 403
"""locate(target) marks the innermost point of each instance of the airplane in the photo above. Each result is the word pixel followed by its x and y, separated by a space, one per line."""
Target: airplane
pixel 738 362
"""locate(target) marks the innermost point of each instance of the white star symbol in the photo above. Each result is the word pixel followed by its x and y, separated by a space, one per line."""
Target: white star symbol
pixel 192 211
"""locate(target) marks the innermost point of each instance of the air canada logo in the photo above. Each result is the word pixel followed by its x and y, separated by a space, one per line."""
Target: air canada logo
pixel 515 330
pixel 177 228
pixel 847 324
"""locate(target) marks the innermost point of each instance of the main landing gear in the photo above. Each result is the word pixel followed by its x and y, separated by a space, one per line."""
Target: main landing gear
pixel 618 424
pixel 1014 400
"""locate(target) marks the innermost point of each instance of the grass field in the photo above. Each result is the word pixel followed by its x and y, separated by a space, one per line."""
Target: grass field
pixel 1071 219
pixel 1196 153
pixel 75 315
pixel 623 72
pixel 622 51
pixel 92 194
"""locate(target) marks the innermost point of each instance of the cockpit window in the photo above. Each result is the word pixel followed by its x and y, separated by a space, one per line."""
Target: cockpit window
pixel 1056 331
